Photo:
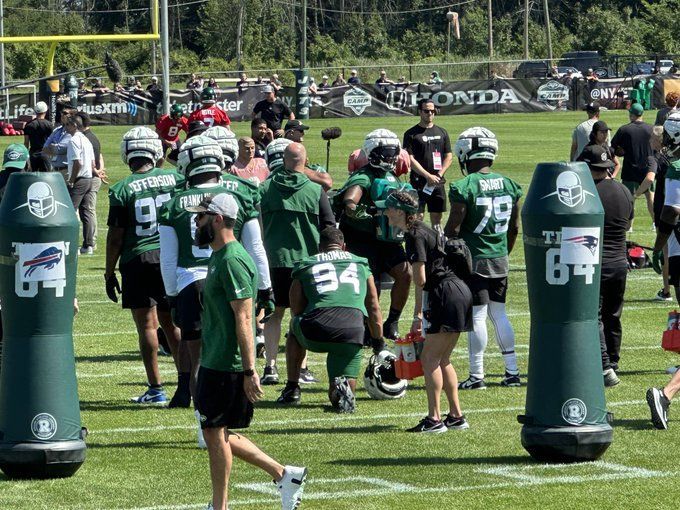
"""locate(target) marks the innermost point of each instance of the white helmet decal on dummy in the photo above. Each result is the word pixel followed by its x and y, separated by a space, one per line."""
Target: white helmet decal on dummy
pixel 382 148
pixel 380 377
pixel 671 134
pixel 273 154
pixel 476 143
pixel 141 142
pixel 226 139
pixel 199 155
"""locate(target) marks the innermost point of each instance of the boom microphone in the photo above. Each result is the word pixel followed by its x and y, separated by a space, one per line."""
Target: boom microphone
pixel 113 69
pixel 331 133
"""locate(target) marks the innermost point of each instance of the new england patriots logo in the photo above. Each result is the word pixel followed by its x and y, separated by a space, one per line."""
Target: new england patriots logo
pixel 589 242
pixel 47 258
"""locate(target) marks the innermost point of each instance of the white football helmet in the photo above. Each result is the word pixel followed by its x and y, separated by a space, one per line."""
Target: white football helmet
pixel 382 148
pixel 380 377
pixel 141 142
pixel 199 155
pixel 671 134
pixel 226 139
pixel 273 154
pixel 476 143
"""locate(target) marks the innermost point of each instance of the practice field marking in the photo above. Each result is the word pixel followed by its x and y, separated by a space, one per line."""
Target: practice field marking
pixel 379 417
pixel 384 487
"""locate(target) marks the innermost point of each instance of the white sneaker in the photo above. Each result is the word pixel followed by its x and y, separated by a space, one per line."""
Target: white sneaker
pixel 291 486
pixel 201 439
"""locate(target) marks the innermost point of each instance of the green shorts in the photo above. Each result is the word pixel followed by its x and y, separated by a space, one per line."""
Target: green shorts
pixel 344 359
pixel 633 186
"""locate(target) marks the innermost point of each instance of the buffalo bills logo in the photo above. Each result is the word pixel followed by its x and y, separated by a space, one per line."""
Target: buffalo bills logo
pixel 589 242
pixel 48 259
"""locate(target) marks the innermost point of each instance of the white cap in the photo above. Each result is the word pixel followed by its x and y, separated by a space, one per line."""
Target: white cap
pixel 267 88
pixel 154 78
pixel 40 107
pixel 223 204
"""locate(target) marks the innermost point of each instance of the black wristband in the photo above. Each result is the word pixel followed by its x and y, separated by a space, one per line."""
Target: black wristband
pixel 265 294
pixel 249 373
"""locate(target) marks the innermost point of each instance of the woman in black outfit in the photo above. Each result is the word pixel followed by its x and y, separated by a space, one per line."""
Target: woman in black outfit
pixel 443 310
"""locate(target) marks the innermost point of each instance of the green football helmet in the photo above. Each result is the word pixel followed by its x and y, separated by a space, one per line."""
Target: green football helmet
pixel 176 111
pixel 208 95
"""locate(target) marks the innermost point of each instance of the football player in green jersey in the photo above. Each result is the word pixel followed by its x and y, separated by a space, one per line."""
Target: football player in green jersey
pixel 133 239
pixel 331 294
pixel 382 148
pixel 183 264
pixel 485 213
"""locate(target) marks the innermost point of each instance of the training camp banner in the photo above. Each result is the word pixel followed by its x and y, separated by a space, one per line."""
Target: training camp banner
pixel 475 96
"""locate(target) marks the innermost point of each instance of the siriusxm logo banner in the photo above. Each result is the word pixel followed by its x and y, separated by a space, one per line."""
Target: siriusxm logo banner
pixel 109 108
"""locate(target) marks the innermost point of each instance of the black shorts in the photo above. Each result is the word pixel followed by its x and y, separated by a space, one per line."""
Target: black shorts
pixel 382 255
pixel 449 307
pixel 487 289
pixel 221 400
pixel 282 279
pixel 435 201
pixel 189 310
pixel 674 271
pixel 143 283
pixel 334 325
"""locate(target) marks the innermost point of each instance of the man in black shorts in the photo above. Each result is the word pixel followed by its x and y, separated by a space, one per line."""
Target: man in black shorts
pixel 227 384
pixel 273 110
pixel 430 149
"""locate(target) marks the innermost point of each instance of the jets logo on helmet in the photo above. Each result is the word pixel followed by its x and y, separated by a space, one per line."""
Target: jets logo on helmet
pixel 226 139
pixel 176 111
pixel 141 142
pixel 671 134
pixel 273 154
pixel 382 149
pixel 200 155
pixel 208 95
pixel 380 378
pixel 476 143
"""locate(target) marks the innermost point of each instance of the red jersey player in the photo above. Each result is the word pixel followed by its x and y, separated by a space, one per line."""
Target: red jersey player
pixel 168 128
pixel 210 114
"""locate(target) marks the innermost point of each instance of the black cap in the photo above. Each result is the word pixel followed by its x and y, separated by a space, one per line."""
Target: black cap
pixel 196 127
pixel 296 124
pixel 593 107
pixel 601 125
pixel 596 157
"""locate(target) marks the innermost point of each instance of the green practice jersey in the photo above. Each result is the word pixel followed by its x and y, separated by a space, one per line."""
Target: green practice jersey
pixel 333 279
pixel 231 276
pixel 364 178
pixel 246 194
pixel 138 198
pixel 488 200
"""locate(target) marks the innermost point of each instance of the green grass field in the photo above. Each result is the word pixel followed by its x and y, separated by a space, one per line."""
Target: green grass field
pixel 142 458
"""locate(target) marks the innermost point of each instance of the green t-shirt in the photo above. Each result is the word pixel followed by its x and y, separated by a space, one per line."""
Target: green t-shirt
pixel 290 218
pixel 139 197
pixel 673 171
pixel 364 178
pixel 488 199
pixel 231 275
pixel 332 279
pixel 246 193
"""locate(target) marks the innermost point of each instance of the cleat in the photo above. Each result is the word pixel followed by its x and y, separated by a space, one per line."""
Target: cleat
pixel 511 380
pixel 610 378
pixel 429 426
pixel 663 296
pixel 658 405
pixel 472 383
pixel 270 376
pixel 290 396
pixel 346 402
pixel 307 377
pixel 291 486
pixel 151 397
pixel 456 422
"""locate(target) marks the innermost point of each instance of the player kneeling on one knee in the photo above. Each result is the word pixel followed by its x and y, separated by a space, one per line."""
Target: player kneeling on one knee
pixel 443 309
pixel 331 294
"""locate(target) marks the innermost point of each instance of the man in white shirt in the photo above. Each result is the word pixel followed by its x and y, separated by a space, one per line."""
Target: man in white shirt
pixel 581 135
pixel 81 165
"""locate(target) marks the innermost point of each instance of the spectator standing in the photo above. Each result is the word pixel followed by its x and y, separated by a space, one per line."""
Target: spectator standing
pixel 273 111
pixel 261 135
pixel 581 134
pixel 247 166
pixel 242 82
pixel 618 214
pixel 212 83
pixel 434 78
pixel 639 164
pixel 324 85
pixel 339 81
pixel 275 82
pixel 194 83
pixel 429 148
pixel 383 81
pixel 88 206
pixel 672 104
pixel 153 86
pixel 36 134
pixel 600 136
pixel 313 89
pixel 57 143
pixel 353 78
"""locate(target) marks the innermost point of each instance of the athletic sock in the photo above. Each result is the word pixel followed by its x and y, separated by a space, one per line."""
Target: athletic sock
pixel 156 386
pixel 477 340
pixel 505 336
pixel 183 379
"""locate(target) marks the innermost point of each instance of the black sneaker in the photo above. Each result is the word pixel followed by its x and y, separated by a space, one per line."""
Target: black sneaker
pixel 511 380
pixel 663 296
pixel 456 422
pixel 472 383
pixel 428 425
pixel 658 405
pixel 290 396
pixel 307 377
pixel 270 376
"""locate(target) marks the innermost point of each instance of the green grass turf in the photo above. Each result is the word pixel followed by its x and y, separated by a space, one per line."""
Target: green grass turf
pixel 146 458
